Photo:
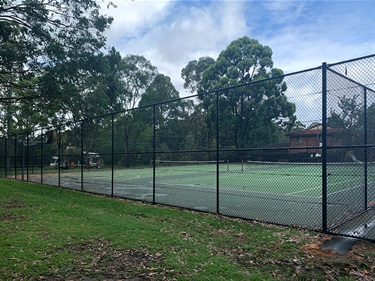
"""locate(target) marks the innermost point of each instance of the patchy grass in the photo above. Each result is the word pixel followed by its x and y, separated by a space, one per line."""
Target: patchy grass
pixel 49 233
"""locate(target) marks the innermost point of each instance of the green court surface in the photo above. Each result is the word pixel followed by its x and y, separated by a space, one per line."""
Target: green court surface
pixel 283 193
pixel 290 179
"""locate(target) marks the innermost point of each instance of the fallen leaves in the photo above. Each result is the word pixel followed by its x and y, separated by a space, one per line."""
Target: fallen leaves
pixel 97 259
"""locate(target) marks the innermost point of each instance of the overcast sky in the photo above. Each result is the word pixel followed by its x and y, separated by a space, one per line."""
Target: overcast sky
pixel 302 34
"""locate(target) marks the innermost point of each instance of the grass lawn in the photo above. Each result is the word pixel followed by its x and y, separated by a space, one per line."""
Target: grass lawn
pixel 49 233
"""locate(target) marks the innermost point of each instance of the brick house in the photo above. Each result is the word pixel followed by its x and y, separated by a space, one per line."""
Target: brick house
pixel 312 137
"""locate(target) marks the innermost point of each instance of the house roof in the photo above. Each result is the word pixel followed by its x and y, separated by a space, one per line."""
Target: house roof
pixel 314 130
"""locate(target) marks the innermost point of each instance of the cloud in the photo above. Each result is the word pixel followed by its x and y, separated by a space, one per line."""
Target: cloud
pixel 134 18
pixel 178 32
pixel 329 32
pixel 285 12
pixel 302 34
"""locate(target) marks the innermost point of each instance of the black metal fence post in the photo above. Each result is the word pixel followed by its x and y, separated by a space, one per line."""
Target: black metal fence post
pixel 324 147
pixel 15 157
pixel 6 156
pixel 154 156
pixel 41 156
pixel 365 143
pixel 112 153
pixel 59 156
pixel 217 153
pixel 82 155
pixel 27 157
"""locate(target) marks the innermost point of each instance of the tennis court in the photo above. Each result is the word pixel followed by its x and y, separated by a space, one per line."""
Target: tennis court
pixel 286 193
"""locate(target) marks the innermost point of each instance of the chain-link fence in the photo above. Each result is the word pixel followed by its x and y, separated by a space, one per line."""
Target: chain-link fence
pixel 297 149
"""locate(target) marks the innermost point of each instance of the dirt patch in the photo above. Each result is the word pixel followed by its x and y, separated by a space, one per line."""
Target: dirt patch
pixel 99 260
pixel 11 217
pixel 14 204
pixel 8 214
pixel 356 263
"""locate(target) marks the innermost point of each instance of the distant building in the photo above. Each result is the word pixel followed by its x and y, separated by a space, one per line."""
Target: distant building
pixel 312 137
pixel 303 146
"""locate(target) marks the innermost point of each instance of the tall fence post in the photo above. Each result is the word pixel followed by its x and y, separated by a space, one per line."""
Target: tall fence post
pixel 59 156
pixel 41 155
pixel 82 155
pixel 324 147
pixel 154 155
pixel 27 156
pixel 365 149
pixel 15 157
pixel 6 160
pixel 217 154
pixel 112 153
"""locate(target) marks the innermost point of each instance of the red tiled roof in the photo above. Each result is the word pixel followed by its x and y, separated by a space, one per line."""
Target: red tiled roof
pixel 313 132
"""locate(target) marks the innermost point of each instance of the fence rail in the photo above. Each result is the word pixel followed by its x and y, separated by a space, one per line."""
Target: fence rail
pixel 293 150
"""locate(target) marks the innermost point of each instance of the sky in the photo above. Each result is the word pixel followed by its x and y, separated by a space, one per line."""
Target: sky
pixel 301 34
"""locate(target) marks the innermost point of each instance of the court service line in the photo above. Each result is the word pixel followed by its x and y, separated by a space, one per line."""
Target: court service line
pixel 320 187
pixel 349 188
pixel 300 191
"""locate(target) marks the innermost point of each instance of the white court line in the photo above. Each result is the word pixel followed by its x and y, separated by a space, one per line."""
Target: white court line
pixel 320 187
pixel 132 178
pixel 348 189
pixel 300 191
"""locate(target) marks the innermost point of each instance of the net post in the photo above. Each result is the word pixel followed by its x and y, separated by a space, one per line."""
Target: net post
pixel 324 147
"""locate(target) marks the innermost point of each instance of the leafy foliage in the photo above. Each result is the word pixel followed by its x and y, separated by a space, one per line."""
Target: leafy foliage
pixel 251 115
pixel 45 47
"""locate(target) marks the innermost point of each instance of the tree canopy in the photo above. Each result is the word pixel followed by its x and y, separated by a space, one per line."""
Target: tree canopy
pixel 40 33
pixel 45 52
pixel 252 114
pixel 57 71
pixel 37 36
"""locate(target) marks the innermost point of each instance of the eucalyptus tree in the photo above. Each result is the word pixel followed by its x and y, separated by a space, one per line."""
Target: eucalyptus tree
pixel 136 74
pixel 348 119
pixel 251 115
pixel 42 43
pixel 171 113
pixel 193 72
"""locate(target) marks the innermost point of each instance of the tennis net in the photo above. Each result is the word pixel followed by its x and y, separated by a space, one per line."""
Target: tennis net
pixel 197 165
pixel 297 168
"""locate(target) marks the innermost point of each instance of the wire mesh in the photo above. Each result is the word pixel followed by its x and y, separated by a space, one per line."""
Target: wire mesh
pixel 254 151
pixel 350 187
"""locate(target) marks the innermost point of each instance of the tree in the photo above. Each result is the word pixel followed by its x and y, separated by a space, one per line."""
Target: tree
pixel 346 123
pixel 193 72
pixel 43 44
pixel 37 34
pixel 136 75
pixel 170 117
pixel 251 115
pixel 349 118
pixel 97 90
